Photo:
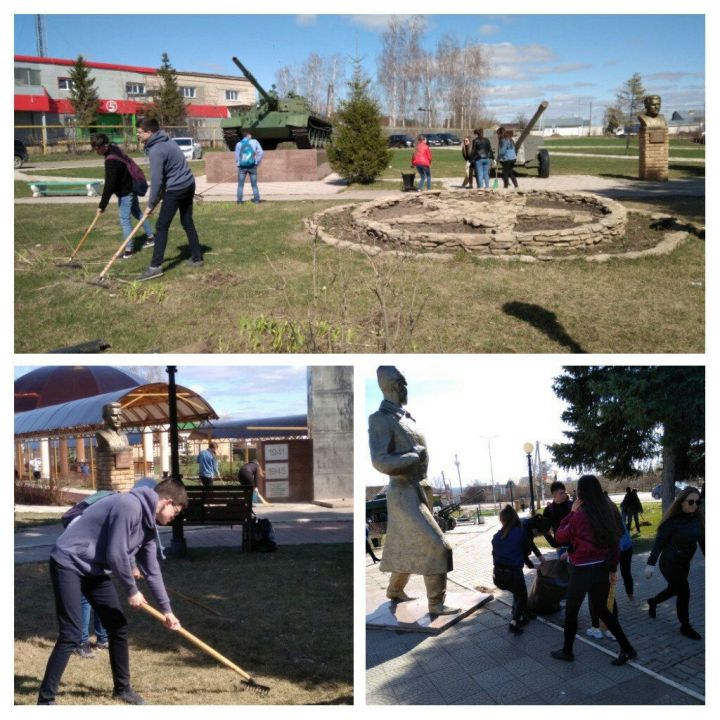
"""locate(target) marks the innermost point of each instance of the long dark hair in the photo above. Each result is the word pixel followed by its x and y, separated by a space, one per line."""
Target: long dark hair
pixel 508 519
pixel 676 507
pixel 601 511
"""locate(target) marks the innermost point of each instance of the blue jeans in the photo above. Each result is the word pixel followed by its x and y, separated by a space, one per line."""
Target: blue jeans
pixel 424 172
pixel 174 201
pixel 100 631
pixel 482 171
pixel 252 172
pixel 130 206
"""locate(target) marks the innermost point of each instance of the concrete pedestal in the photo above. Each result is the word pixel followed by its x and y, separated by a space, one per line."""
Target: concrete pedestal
pixel 115 470
pixel 277 166
pixel 654 146
pixel 413 616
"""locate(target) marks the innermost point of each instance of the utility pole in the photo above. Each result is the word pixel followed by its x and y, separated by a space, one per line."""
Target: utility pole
pixel 590 128
pixel 41 36
pixel 457 465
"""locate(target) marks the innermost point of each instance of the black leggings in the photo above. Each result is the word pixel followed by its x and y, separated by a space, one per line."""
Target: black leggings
pixel 100 591
pixel 676 574
pixel 512 580
pixel 508 173
pixel 594 581
pixel 626 570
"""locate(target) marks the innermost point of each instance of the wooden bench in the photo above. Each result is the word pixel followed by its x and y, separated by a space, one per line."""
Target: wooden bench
pixel 229 505
pixel 91 188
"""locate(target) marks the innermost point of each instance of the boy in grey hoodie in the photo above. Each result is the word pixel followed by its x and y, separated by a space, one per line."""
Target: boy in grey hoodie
pixel 101 542
pixel 171 177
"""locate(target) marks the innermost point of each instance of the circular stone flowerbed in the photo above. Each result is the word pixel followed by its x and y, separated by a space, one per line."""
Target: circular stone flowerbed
pixel 493 224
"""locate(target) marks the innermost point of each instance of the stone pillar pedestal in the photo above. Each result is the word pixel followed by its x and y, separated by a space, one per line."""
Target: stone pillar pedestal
pixel 114 471
pixel 80 449
pixel 164 452
pixel 654 148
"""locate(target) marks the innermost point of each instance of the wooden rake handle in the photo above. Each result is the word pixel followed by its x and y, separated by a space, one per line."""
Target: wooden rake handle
pixel 85 236
pixel 140 222
pixel 199 643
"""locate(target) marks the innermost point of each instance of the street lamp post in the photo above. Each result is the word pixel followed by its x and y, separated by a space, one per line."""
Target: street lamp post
pixel 492 477
pixel 528 448
pixel 457 465
pixel 424 111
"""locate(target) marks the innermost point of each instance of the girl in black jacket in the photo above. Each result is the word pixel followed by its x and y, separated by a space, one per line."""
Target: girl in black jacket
pixel 680 532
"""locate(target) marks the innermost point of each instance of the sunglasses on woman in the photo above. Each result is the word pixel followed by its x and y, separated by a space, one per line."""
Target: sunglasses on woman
pixel 694 502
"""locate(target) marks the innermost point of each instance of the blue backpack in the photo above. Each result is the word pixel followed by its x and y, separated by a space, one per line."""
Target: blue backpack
pixel 247 155
pixel 79 508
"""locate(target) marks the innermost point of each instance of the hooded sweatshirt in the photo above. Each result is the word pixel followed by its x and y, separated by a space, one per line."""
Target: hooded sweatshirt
pixel 168 167
pixel 108 534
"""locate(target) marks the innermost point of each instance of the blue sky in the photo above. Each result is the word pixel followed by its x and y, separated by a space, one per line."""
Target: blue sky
pixel 456 401
pixel 237 392
pixel 570 60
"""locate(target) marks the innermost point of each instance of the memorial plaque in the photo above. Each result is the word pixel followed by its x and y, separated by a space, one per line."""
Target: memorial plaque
pixel 273 453
pixel 277 489
pixel 123 460
pixel 657 136
pixel 277 471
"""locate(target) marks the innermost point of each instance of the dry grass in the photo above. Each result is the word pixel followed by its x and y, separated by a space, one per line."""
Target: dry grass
pixel 286 620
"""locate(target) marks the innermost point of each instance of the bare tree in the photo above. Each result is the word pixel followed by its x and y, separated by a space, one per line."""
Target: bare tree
pixel 629 99
pixel 311 84
pixel 286 80
pixel 390 66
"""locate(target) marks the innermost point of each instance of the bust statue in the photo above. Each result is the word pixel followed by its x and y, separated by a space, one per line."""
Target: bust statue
pixel 652 118
pixel 414 542
pixel 111 438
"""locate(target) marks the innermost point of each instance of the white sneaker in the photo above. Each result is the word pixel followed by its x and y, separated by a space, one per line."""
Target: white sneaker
pixel 594 633
pixel 610 636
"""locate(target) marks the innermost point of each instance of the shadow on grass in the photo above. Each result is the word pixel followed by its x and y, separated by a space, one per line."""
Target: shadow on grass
pixel 543 320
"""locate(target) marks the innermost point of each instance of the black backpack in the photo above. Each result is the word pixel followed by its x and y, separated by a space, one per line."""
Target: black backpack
pixel 262 535
pixel 79 508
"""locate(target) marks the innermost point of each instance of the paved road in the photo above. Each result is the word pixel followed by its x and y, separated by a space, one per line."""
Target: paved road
pixel 478 662
pixel 294 524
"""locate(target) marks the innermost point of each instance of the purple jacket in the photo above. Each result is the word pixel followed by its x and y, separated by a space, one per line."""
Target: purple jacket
pixel 108 534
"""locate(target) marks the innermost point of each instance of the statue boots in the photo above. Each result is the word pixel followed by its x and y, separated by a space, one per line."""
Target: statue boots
pixel 396 587
pixel 436 586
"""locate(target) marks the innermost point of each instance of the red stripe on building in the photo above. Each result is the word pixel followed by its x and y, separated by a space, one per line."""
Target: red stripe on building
pixel 32 103
pixel 206 111
pixel 99 66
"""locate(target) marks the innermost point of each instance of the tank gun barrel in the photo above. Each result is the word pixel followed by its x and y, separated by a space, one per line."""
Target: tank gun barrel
pixel 271 102
pixel 541 109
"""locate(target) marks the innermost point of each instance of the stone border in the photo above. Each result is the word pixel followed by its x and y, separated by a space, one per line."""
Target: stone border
pixel 679 230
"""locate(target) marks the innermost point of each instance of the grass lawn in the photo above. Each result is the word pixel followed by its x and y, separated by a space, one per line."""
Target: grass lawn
pixel 268 287
pixel 23 521
pixel 98 171
pixel 286 619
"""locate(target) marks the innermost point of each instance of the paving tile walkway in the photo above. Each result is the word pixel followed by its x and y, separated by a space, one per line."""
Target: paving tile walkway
pixel 477 662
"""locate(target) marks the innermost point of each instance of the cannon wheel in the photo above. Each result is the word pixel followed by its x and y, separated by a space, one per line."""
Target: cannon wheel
pixel 543 163
pixel 451 523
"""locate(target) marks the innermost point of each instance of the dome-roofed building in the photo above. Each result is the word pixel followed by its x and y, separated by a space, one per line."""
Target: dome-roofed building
pixel 58 384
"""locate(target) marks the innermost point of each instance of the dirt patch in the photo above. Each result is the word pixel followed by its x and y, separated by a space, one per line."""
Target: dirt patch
pixel 220 278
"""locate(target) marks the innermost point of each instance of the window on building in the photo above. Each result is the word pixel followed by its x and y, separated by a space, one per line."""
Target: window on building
pixel 65 83
pixel 231 94
pixel 188 92
pixel 27 76
pixel 197 122
pixel 134 88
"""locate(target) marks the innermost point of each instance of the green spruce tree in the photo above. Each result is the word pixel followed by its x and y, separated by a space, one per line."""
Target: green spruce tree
pixel 358 151
pixel 83 94
pixel 168 106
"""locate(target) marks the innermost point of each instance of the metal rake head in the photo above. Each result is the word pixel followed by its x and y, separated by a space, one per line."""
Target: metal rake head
pixel 255 687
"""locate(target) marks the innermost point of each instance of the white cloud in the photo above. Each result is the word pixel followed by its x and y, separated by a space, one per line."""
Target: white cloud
pixel 376 23
pixel 508 54
pixel 489 29
pixel 305 20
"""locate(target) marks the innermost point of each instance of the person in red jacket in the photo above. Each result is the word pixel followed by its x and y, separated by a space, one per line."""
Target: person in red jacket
pixel 421 160
pixel 592 530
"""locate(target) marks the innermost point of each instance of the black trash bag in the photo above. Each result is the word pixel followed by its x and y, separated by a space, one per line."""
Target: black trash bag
pixel 262 535
pixel 549 587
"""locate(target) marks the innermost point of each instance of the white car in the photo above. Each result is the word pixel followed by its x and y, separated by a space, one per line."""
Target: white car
pixel 191 148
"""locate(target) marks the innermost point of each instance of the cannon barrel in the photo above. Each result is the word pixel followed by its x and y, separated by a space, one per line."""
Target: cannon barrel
pixel 541 109
pixel 271 102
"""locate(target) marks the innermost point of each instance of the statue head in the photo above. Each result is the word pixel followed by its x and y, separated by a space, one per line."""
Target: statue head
pixel 112 415
pixel 652 105
pixel 392 384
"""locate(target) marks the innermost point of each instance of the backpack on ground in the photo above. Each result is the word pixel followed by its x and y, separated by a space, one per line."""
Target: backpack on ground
pixel 79 508
pixel 139 182
pixel 247 155
pixel 262 535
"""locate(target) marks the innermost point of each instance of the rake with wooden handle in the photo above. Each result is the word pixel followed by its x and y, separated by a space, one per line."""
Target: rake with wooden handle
pixel 247 679
pixel 69 262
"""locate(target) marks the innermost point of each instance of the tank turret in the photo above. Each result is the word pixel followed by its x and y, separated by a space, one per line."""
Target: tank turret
pixel 274 120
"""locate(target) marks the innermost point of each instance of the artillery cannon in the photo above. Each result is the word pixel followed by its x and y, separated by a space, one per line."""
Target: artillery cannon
pixel 275 120
pixel 530 149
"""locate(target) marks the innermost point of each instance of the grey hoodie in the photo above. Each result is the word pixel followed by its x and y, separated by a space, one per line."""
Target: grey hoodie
pixel 168 168
pixel 108 534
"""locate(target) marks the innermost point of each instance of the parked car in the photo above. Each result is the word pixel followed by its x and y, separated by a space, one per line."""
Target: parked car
pixel 400 141
pixel 434 139
pixel 191 149
pixel 21 154
pixel 656 492
pixel 450 138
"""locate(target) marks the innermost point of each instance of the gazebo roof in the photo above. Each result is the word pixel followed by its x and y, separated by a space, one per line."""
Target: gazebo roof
pixel 142 406
pixel 277 427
